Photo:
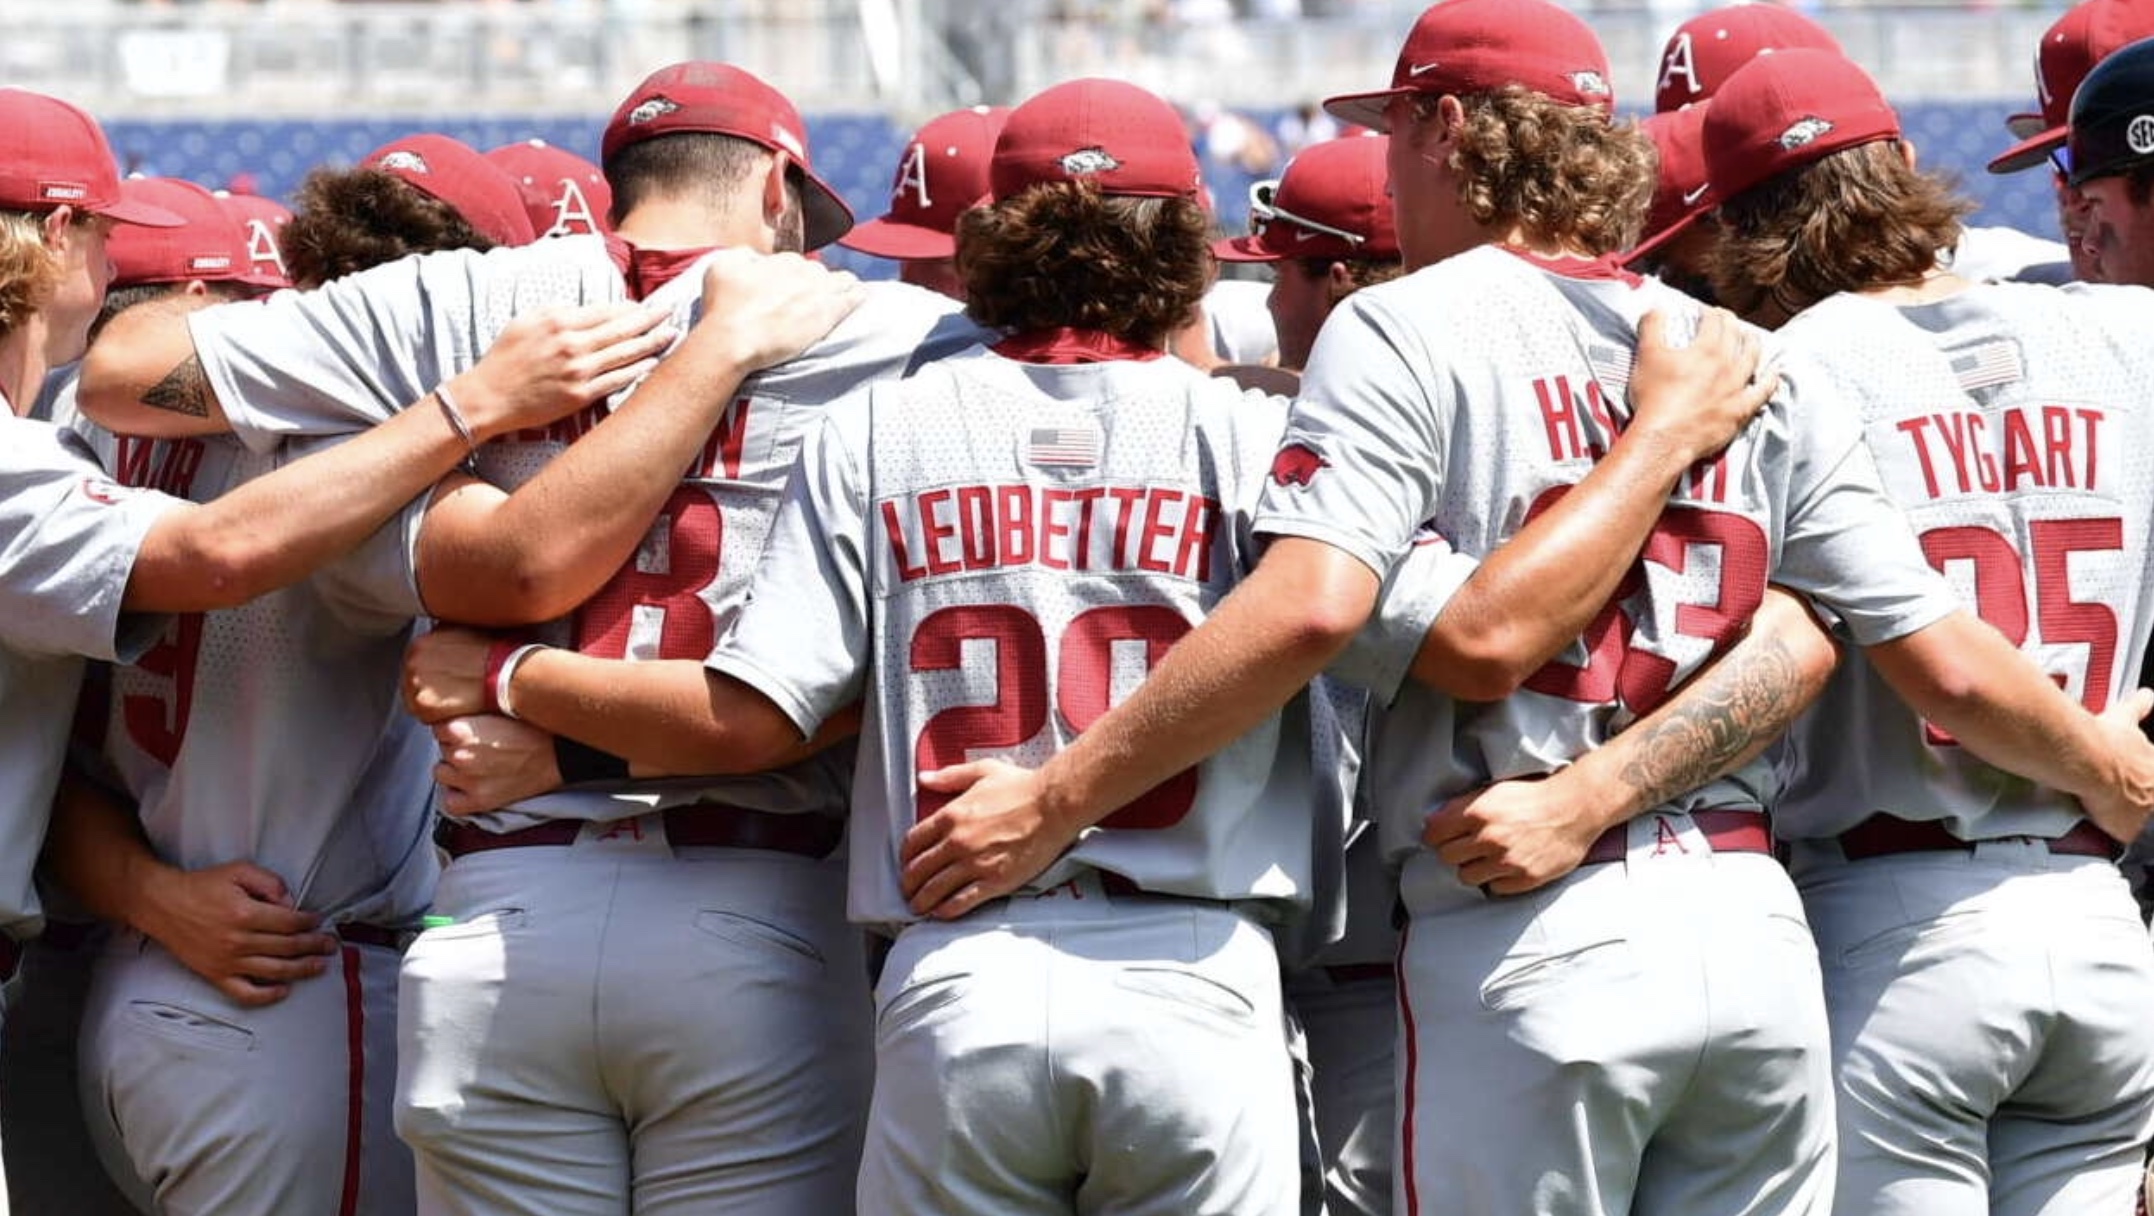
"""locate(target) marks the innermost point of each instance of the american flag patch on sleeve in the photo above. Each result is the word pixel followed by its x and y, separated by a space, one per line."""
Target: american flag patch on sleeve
pixel 1062 446
pixel 1988 365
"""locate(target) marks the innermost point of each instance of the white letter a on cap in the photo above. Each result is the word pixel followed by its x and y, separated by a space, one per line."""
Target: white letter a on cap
pixel 1680 61
pixel 912 174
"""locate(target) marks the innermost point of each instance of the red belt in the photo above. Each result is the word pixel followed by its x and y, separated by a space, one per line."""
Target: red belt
pixel 1728 831
pixel 1885 835
pixel 702 825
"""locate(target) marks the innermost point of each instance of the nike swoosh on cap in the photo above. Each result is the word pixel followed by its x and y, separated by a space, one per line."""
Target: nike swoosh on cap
pixel 1692 196
pixel 1417 68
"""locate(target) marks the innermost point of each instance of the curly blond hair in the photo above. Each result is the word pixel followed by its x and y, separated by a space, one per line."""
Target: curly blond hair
pixel 28 271
pixel 1565 174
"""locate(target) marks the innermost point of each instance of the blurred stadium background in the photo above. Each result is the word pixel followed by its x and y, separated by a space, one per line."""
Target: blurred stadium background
pixel 256 92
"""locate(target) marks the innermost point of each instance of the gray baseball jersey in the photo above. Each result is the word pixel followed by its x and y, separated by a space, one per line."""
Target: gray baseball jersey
pixel 363 335
pixel 2006 422
pixel 273 731
pixel 1007 559
pixel 1389 434
pixel 68 539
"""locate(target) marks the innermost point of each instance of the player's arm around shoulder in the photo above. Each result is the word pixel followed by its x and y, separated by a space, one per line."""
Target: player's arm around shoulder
pixel 143 377
pixel 1515 836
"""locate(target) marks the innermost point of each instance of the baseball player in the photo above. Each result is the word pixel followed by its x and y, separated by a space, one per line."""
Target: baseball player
pixel 1676 244
pixel 942 174
pixel 414 195
pixel 1704 51
pixel 961 1003
pixel 82 549
pixel 563 193
pixel 2085 35
pixel 1985 970
pixel 544 1086
pixel 1327 232
pixel 2111 149
pixel 1658 1002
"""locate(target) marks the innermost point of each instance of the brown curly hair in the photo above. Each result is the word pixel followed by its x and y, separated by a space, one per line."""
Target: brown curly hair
pixel 1063 254
pixel 28 271
pixel 1858 218
pixel 1563 173
pixel 348 220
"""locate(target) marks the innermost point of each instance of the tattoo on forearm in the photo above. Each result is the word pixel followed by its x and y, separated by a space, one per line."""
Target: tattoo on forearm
pixel 1746 700
pixel 184 390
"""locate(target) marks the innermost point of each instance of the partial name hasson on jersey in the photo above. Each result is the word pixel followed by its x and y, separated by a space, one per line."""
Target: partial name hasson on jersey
pixel 962 529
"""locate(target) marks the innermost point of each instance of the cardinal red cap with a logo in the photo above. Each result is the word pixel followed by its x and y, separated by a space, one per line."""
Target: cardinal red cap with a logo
pixel 1704 51
pixel 1330 203
pixel 1125 139
pixel 1681 192
pixel 53 154
pixel 720 99
pixel 260 220
pixel 1464 47
pixel 453 172
pixel 943 175
pixel 208 245
pixel 563 193
pixel 2084 36
pixel 1788 109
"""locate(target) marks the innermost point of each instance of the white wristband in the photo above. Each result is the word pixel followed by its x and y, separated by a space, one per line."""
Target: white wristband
pixel 507 675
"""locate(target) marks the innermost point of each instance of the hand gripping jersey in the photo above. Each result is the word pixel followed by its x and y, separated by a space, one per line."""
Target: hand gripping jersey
pixel 2007 424
pixel 68 538
pixel 675 595
pixel 1393 431
pixel 1007 559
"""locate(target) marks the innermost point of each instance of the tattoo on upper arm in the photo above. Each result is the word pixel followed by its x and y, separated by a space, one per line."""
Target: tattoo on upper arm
pixel 1747 699
pixel 184 390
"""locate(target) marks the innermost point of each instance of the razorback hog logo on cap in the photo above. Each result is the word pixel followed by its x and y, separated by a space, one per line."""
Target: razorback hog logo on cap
pixel 409 162
pixel 1804 131
pixel 1590 84
pixel 1089 160
pixel 1296 465
pixel 652 110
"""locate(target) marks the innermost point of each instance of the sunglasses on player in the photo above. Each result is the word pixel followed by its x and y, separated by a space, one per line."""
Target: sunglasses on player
pixel 1264 209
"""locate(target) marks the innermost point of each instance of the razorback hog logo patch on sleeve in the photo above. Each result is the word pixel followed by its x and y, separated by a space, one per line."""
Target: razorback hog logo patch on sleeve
pixel 1296 465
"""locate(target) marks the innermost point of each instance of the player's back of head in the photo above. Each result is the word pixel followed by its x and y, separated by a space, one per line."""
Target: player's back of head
pixel 418 194
pixel 1094 221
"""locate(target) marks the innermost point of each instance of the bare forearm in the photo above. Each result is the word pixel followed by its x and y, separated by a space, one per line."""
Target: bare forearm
pixel 96 849
pixel 1725 717
pixel 1962 675
pixel 275 530
pixel 1263 644
pixel 1537 592
pixel 667 718
pixel 501 560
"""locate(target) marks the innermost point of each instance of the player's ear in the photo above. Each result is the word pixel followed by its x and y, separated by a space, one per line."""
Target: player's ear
pixel 58 223
pixel 1338 282
pixel 1907 151
pixel 774 188
pixel 1450 116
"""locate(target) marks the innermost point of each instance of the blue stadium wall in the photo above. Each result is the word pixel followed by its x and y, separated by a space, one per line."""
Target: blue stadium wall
pixel 857 153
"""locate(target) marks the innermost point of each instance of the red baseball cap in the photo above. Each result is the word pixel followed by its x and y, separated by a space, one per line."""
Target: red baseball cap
pixel 1681 191
pixel 451 171
pixel 53 154
pixel 2084 36
pixel 563 193
pixel 1704 51
pixel 1463 47
pixel 1788 109
pixel 943 174
pixel 260 220
pixel 1122 137
pixel 1330 203
pixel 720 99
pixel 207 244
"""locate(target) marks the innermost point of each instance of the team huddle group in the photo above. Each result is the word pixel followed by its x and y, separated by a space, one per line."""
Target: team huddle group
pixel 525 694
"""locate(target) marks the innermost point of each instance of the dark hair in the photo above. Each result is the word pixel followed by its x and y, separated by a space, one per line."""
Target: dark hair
pixel 1063 254
pixel 694 163
pixel 1360 272
pixel 348 220
pixel 1562 172
pixel 2139 185
pixel 1855 219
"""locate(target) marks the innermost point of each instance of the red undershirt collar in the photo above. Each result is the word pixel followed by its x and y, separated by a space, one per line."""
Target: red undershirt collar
pixel 1605 267
pixel 647 270
pixel 1066 345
